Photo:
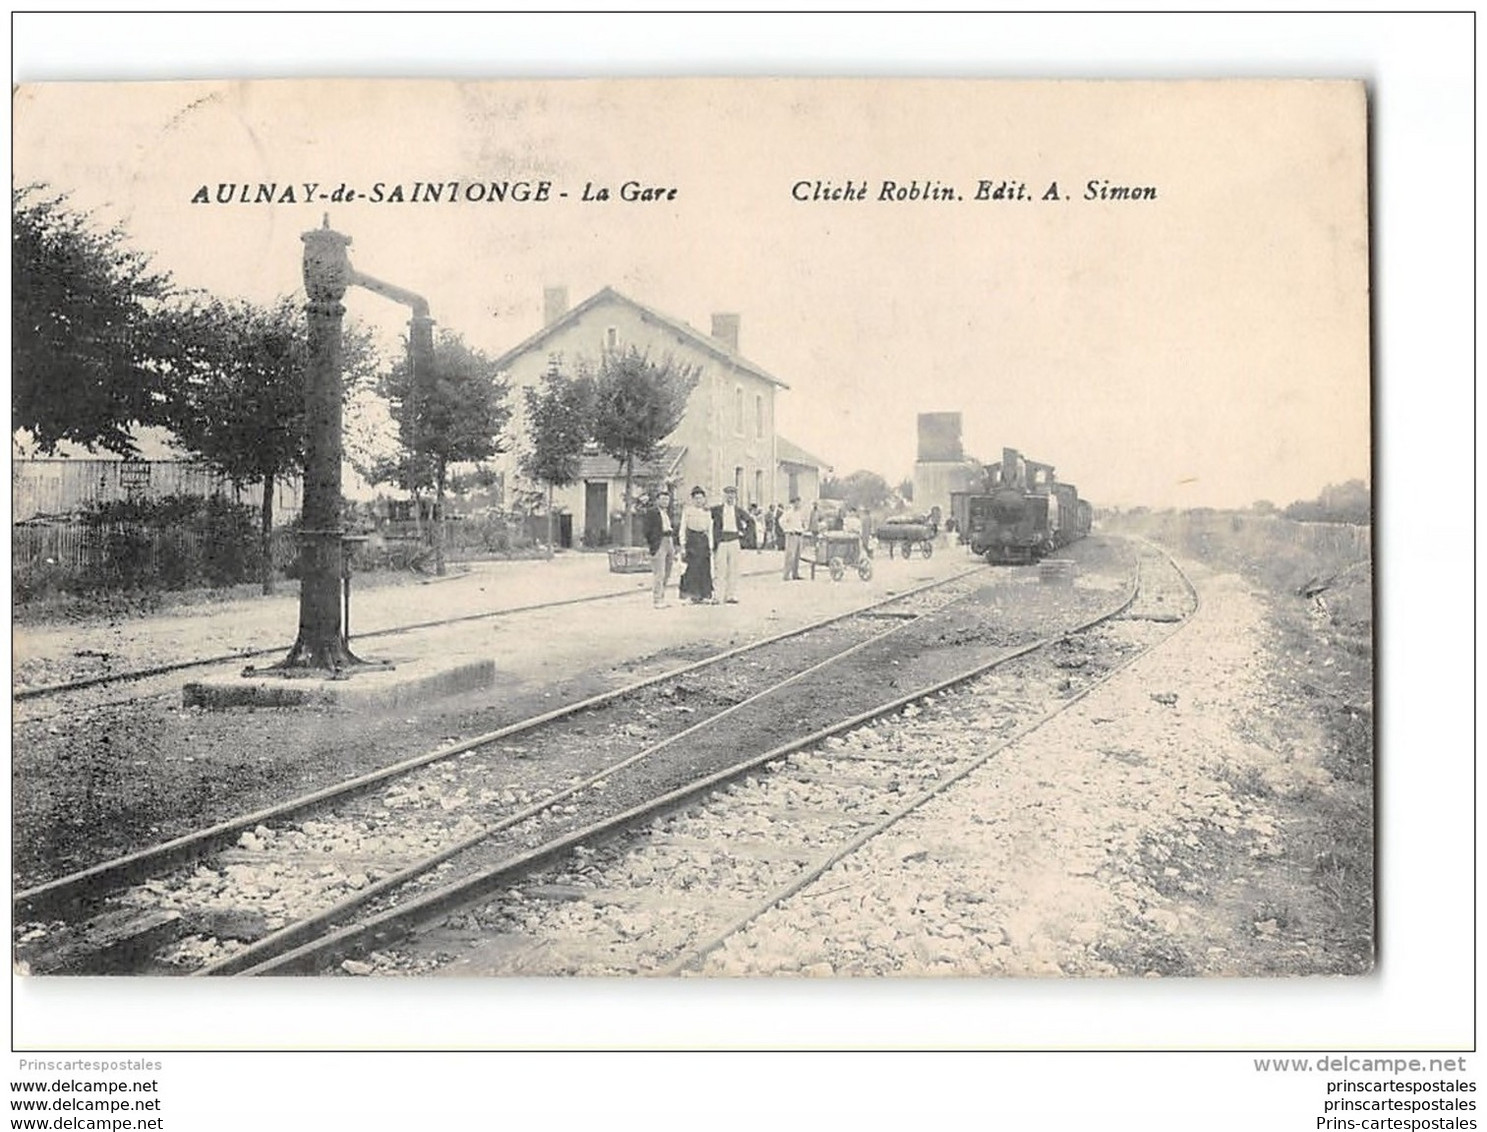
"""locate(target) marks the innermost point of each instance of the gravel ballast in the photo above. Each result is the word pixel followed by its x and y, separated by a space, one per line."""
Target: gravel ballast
pixel 1143 832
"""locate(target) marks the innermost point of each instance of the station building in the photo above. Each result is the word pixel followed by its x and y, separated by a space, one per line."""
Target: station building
pixel 726 438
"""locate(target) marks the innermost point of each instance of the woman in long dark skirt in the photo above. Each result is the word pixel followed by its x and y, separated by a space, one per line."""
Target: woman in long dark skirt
pixel 697 549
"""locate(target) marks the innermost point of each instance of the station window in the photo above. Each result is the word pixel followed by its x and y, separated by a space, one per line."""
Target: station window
pixel 611 337
pixel 738 409
pixel 758 415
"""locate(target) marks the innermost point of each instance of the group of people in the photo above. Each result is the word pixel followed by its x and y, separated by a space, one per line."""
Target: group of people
pixel 709 540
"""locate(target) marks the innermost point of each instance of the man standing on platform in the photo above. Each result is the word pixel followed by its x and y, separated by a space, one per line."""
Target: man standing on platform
pixel 792 526
pixel 730 524
pixel 660 539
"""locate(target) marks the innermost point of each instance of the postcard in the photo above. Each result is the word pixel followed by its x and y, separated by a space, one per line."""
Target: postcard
pixel 699 528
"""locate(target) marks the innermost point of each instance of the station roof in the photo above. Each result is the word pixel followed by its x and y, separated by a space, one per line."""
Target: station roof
pixel 705 342
pixel 663 468
pixel 788 452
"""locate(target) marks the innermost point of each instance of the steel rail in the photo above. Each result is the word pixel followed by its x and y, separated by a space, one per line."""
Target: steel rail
pixel 37 691
pixel 397 921
pixel 696 953
pixel 89 883
pixel 289 935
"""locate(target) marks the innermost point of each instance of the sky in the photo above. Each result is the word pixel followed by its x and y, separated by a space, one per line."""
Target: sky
pixel 1206 347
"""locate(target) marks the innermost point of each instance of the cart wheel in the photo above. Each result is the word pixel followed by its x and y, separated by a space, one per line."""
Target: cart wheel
pixel 928 548
pixel 865 568
pixel 838 568
pixel 908 549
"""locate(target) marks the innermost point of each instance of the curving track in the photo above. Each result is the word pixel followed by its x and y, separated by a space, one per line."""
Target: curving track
pixel 462 833
pixel 559 873
pixel 662 899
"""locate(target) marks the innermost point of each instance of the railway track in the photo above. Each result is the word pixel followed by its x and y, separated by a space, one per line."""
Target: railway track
pixel 55 690
pixel 662 888
pixel 124 930
pixel 531 841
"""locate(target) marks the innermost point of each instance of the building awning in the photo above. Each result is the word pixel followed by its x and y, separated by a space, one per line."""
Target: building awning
pixel 663 469
pixel 793 454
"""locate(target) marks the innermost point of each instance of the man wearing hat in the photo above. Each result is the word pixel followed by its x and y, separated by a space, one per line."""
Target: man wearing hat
pixel 660 540
pixel 730 523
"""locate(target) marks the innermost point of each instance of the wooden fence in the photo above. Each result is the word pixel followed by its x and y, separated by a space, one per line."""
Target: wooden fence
pixel 70 549
pixel 66 550
pixel 1277 551
pixel 1349 542
pixel 62 486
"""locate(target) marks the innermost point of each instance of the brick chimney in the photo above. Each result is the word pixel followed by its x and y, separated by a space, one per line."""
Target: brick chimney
pixel 554 304
pixel 725 330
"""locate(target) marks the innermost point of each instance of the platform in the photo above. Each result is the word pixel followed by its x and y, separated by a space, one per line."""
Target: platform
pixel 492 646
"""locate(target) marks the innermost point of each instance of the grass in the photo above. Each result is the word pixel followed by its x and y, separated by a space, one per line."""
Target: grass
pixel 1321 890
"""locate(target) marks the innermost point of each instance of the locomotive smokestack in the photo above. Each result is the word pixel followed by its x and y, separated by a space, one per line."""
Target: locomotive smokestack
pixel 1011 472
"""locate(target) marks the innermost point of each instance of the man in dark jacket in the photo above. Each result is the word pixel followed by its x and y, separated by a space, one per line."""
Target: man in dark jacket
pixel 660 539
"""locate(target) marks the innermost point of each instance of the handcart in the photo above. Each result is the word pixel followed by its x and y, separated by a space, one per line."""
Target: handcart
pixel 838 551
pixel 907 534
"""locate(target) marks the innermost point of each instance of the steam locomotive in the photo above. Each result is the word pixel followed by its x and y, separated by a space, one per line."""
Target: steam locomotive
pixel 1022 512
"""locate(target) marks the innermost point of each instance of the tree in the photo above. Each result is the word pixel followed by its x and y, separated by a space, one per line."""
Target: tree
pixel 637 404
pixel 1349 502
pixel 867 491
pixel 369 434
pixel 237 401
pixel 89 352
pixel 457 417
pixel 560 418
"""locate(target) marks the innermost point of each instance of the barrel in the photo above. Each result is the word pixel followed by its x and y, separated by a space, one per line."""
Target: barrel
pixel 903 532
pixel 1056 571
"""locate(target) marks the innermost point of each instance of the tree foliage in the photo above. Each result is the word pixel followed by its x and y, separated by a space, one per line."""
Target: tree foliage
pixel 237 400
pixel 457 416
pixel 560 420
pixel 89 351
pixel 637 404
pixel 451 415
pixel 1349 502
pixel 861 489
